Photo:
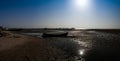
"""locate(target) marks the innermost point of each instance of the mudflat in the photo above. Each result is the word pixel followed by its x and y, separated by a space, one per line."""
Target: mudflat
pixel 15 47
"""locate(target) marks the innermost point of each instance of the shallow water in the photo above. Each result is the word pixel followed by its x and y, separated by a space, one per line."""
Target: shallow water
pixel 88 45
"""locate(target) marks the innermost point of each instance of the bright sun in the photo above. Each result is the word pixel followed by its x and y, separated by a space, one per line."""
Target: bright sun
pixel 81 3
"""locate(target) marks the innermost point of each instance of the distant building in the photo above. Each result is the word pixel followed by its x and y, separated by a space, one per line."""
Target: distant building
pixel 72 28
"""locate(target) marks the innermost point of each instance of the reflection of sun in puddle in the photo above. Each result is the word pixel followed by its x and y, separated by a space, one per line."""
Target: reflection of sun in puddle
pixel 83 45
pixel 81 51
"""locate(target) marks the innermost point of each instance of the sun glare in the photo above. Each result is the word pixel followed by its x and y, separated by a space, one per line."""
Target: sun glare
pixel 81 3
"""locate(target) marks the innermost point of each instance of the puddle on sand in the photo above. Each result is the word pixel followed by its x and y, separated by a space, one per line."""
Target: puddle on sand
pixel 75 47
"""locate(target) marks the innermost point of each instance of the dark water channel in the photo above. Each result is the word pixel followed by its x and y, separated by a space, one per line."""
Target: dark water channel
pixel 88 45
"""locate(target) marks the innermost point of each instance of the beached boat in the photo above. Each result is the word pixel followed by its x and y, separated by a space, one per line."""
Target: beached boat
pixel 55 34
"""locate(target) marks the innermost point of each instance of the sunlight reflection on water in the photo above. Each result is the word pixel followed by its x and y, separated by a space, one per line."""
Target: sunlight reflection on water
pixel 81 51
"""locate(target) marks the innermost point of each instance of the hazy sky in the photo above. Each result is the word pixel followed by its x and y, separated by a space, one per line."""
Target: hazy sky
pixel 60 13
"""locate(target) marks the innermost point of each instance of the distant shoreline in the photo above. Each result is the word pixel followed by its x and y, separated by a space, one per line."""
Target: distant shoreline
pixel 37 30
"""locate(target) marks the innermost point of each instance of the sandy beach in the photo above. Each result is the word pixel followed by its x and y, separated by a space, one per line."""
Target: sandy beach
pixel 15 47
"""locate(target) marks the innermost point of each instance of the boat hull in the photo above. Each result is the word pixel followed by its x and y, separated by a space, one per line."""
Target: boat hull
pixel 55 35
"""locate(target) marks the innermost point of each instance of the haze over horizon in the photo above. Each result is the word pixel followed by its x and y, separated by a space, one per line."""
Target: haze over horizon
pixel 85 14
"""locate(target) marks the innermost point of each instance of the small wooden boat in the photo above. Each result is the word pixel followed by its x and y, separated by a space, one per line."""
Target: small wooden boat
pixel 55 34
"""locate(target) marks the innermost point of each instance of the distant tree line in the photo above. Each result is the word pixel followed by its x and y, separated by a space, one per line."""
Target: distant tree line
pixel 59 28
pixel 20 29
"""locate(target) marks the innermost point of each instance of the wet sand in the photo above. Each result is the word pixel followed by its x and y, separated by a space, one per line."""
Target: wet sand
pixel 88 46
pixel 26 48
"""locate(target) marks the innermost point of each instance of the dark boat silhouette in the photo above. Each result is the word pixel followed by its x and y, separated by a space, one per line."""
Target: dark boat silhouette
pixel 55 34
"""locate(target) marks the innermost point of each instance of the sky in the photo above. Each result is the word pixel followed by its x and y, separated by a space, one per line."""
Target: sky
pixel 83 14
